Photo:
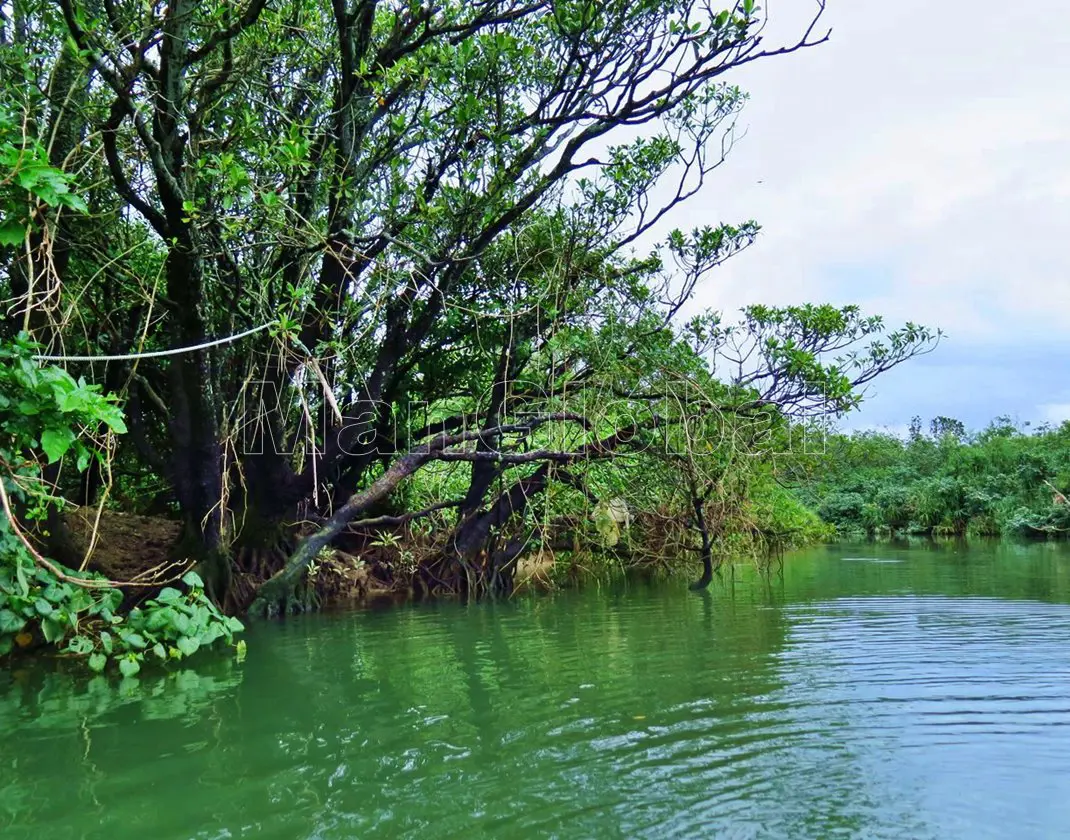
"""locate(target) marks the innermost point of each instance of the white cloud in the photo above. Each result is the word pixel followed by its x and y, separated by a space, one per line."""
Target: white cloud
pixel 1055 412
pixel 915 165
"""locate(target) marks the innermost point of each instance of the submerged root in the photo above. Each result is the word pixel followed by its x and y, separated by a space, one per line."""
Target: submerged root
pixel 276 599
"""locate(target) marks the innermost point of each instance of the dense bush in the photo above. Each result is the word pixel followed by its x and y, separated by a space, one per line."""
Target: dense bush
pixel 46 416
pixel 1004 480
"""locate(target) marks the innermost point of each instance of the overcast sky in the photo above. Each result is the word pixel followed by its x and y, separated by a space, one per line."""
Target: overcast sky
pixel 918 164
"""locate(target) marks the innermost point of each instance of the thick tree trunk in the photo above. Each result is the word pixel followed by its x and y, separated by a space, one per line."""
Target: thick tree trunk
pixel 472 543
pixel 280 594
pixel 196 466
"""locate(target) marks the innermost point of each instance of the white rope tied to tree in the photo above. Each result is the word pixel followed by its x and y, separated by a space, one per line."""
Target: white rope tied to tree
pixel 155 353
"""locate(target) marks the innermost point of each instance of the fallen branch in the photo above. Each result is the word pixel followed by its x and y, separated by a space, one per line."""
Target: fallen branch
pixel 282 587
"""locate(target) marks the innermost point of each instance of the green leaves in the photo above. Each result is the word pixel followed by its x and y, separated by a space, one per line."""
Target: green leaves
pixel 133 639
pixel 813 358
pixel 129 665
pixel 45 182
pixel 46 407
pixel 83 622
pixel 193 581
pixel 52 629
pixel 28 179
pixel 81 645
pixel 10 623
pixel 55 441
pixel 12 233
pixel 188 645
pixel 1000 481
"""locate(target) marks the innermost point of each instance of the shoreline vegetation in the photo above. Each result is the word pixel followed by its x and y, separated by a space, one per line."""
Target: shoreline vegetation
pixel 1003 481
pixel 944 484
pixel 365 297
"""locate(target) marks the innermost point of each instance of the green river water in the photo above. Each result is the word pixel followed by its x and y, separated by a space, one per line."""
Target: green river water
pixel 865 691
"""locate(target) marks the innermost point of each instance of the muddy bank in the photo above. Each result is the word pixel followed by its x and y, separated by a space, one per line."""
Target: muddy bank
pixel 121 546
pixel 125 546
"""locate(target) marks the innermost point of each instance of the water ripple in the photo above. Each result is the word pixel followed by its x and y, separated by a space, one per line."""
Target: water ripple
pixel 888 711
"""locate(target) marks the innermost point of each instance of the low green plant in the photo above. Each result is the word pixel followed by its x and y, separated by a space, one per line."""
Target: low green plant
pixel 46 415
pixel 85 621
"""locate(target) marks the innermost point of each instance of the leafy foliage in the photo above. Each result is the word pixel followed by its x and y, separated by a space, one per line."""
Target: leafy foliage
pixel 87 622
pixel 1002 480
pixel 29 181
pixel 43 409
pixel 421 219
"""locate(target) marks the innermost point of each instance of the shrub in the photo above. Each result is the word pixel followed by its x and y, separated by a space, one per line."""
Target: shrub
pixel 45 414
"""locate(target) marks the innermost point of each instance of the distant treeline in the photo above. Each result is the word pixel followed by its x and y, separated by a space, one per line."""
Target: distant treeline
pixel 1006 480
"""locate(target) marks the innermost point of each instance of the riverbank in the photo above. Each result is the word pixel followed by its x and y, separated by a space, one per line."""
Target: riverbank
pixel 395 565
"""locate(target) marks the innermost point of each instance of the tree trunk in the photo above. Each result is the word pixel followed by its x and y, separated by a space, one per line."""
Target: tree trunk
pixel 471 545
pixel 196 447
pixel 698 504
pixel 280 594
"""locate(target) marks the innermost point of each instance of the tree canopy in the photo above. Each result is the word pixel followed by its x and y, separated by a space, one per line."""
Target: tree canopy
pixel 429 226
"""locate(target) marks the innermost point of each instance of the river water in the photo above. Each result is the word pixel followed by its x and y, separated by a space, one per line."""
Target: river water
pixel 864 691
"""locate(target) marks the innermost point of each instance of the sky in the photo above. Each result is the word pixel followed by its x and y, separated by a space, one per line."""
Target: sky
pixel 917 164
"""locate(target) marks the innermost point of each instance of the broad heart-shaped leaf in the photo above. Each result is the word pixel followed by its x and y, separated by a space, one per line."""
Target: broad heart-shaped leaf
pixel 160 618
pixel 10 622
pixel 52 630
pixel 56 592
pixel 188 645
pixel 193 580
pixel 97 661
pixel 168 595
pixel 211 633
pixel 134 640
pixel 180 622
pixel 128 666
pixel 55 441
pixel 12 233
pixel 113 416
pixel 80 645
pixel 80 600
pixel 68 397
pixel 75 202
